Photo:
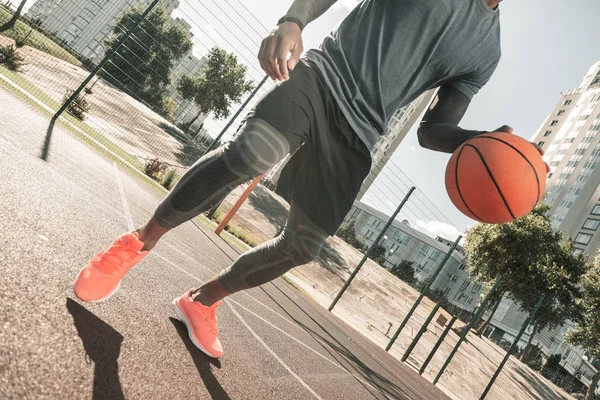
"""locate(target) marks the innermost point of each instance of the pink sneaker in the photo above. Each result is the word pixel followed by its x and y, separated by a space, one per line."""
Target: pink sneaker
pixel 101 278
pixel 201 322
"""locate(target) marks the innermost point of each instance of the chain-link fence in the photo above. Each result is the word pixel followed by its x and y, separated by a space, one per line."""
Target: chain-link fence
pixel 146 103
pixel 412 295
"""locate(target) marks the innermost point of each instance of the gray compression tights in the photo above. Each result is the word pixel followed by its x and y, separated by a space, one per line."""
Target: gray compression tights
pixel 255 149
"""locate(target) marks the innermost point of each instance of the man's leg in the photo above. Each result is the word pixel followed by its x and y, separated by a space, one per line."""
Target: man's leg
pixel 299 243
pixel 256 148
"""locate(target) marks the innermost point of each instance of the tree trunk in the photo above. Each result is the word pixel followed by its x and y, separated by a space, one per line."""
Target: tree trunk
pixel 592 389
pixel 528 345
pixel 11 23
pixel 485 323
pixel 189 124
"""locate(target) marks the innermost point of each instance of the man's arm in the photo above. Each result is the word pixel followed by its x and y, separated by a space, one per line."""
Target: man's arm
pixel 306 11
pixel 439 128
pixel 287 37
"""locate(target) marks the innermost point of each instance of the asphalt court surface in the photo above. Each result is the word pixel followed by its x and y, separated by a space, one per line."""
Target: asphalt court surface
pixel 55 215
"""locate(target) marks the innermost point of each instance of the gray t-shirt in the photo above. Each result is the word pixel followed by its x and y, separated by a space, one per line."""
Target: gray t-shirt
pixel 386 53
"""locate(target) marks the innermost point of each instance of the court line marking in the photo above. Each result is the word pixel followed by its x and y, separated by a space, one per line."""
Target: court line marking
pixel 256 336
pixel 131 226
pixel 334 363
pixel 126 210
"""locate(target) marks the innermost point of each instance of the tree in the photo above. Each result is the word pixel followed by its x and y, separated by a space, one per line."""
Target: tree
pixel 532 259
pixel 379 254
pixel 221 83
pixel 347 232
pixel 405 271
pixel 11 23
pixel 144 62
pixel 587 332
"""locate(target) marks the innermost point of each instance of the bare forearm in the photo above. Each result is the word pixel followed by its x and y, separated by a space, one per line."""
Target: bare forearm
pixel 307 11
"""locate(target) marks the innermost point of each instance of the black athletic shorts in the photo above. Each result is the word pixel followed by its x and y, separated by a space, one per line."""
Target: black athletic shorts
pixel 326 172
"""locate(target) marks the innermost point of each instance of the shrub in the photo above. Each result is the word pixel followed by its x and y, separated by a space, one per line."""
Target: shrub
pixel 154 168
pixel 169 179
pixel 11 59
pixel 21 40
pixel 78 107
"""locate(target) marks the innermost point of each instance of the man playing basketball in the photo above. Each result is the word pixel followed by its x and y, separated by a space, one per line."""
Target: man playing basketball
pixel 330 110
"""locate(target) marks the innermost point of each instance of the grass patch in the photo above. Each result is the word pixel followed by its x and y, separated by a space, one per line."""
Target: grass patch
pixel 35 39
pixel 238 231
pixel 54 105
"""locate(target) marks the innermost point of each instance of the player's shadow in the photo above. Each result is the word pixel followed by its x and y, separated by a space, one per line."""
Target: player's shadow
pixel 102 344
pixel 203 363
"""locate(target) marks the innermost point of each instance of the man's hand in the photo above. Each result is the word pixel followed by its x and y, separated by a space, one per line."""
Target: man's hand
pixel 508 129
pixel 273 55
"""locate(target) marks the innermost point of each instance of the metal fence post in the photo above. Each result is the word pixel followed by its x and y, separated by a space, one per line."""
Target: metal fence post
pixel 220 135
pixel 467 328
pixel 437 345
pixel 370 249
pixel 107 57
pixel 424 290
pixel 421 331
pixel 529 319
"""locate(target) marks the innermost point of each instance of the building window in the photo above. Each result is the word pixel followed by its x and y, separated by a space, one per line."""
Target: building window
pixel 446 291
pixel 465 285
pixel 591 224
pixel 584 117
pixel 583 238
pixel 454 278
pixel 541 143
pixel 547 133
pixel 462 267
pixel 596 210
pixel 567 203
pixel 567 102
pixel 470 301
pixel 560 112
pixel 554 122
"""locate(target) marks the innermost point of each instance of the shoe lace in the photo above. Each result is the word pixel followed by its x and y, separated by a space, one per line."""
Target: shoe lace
pixel 111 260
pixel 210 317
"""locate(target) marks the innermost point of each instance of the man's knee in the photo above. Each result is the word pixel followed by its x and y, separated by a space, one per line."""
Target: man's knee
pixel 304 244
pixel 256 148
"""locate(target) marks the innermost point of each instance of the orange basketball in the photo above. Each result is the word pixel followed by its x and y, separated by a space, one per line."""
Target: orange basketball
pixel 496 177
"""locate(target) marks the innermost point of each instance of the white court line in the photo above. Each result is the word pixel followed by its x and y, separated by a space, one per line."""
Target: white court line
pixel 243 321
pixel 131 226
pixel 126 210
pixel 244 293
pixel 334 363
pixel 273 353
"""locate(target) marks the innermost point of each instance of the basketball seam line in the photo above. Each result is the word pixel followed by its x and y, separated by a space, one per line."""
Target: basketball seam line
pixel 458 187
pixel 539 195
pixel 487 168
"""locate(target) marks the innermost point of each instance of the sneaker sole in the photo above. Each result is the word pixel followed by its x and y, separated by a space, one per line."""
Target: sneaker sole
pixel 181 316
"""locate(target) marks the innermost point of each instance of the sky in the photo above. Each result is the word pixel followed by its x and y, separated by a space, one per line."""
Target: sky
pixel 547 47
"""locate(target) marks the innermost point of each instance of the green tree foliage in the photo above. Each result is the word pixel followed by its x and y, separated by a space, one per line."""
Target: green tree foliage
pixel 587 332
pixel 532 259
pixel 405 271
pixel 347 232
pixel 221 83
pixel 379 254
pixel 144 62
